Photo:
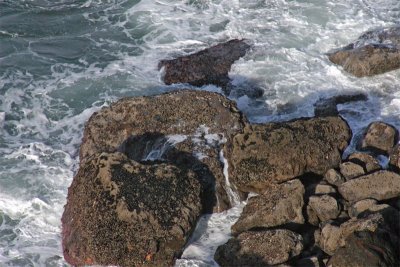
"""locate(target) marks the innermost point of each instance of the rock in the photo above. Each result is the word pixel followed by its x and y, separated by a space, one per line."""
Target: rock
pixel 326 207
pixel 351 170
pixel 120 212
pixel 379 185
pixel 328 107
pixel 379 138
pixel 333 177
pixel 370 205
pixel 263 248
pixel 375 52
pixel 368 162
pixel 329 239
pixel 280 204
pixel 365 249
pixel 209 66
pixel 394 162
pixel 312 217
pixel 277 152
pixel 195 122
pixel 323 189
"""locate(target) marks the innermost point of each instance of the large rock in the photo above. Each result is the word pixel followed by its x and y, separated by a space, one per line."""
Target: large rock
pixel 365 249
pixel 375 52
pixel 209 66
pixel 379 138
pixel 120 212
pixel 277 152
pixel 195 122
pixel 263 248
pixel 379 185
pixel 280 204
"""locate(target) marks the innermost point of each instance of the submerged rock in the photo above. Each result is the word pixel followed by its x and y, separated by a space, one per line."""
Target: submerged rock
pixel 328 107
pixel 120 212
pixel 261 248
pixel 209 66
pixel 374 52
pixel 277 152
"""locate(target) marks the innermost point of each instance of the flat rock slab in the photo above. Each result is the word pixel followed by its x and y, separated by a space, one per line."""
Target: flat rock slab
pixel 120 212
pixel 375 52
pixel 209 66
pixel 280 204
pixel 277 152
pixel 379 185
pixel 262 248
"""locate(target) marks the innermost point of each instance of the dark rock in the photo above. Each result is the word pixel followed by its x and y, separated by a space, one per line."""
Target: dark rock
pixel 209 66
pixel 375 52
pixel 368 162
pixel 202 120
pixel 325 207
pixel 351 170
pixel 334 177
pixel 120 212
pixel 394 162
pixel 277 152
pixel 379 138
pixel 263 248
pixel 328 107
pixel 379 185
pixel 280 204
pixel 365 249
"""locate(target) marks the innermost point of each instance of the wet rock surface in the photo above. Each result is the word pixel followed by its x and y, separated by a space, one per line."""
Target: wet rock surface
pixel 374 52
pixel 209 66
pixel 277 152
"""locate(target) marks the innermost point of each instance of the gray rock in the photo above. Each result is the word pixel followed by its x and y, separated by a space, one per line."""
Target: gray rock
pixel 334 177
pixel 379 185
pixel 280 204
pixel 350 170
pixel 379 138
pixel 326 207
pixel 262 248
pixel 277 152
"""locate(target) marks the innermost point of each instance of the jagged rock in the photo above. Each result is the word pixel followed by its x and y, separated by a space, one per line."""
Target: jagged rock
pixel 328 107
pixel 375 52
pixel 326 207
pixel 202 121
pixel 361 206
pixel 379 185
pixel 334 177
pixel 379 138
pixel 368 162
pixel 262 248
pixel 277 152
pixel 120 212
pixel 209 66
pixel 365 249
pixel 351 170
pixel 394 162
pixel 280 204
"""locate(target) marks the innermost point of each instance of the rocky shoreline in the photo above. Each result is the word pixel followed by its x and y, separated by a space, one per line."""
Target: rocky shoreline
pixel 151 166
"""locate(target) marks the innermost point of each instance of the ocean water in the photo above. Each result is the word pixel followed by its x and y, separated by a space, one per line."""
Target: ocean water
pixel 62 60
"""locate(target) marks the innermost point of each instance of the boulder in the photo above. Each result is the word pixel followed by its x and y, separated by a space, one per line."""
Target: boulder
pixel 379 138
pixel 209 66
pixel 351 170
pixel 365 249
pixel 277 152
pixel 368 162
pixel 121 212
pixel 379 185
pixel 261 248
pixel 374 52
pixel 280 204
pixel 195 122
pixel 325 207
pixel 334 177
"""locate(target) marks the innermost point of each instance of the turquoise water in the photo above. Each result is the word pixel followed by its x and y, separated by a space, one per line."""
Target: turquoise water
pixel 61 60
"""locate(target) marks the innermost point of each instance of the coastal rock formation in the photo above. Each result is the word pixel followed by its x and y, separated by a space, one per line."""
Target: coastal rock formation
pixel 277 152
pixel 261 248
pixel 195 122
pixel 374 52
pixel 209 66
pixel 379 138
pixel 121 212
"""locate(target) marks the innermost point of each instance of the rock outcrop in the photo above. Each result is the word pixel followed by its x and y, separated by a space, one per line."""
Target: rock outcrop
pixel 374 52
pixel 277 152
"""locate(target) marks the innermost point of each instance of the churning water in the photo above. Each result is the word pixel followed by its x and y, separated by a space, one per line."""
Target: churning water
pixel 61 60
